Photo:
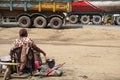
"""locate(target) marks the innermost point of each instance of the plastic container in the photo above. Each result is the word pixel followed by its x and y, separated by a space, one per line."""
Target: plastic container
pixel 36 64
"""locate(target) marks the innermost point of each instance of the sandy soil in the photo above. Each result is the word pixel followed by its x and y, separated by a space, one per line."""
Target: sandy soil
pixel 89 53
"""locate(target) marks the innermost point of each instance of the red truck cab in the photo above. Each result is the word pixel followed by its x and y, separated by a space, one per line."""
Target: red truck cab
pixel 84 6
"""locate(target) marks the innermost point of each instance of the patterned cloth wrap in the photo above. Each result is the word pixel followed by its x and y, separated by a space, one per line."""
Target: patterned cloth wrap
pixel 25 42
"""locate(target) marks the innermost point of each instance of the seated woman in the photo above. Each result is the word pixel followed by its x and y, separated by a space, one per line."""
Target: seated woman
pixel 24 47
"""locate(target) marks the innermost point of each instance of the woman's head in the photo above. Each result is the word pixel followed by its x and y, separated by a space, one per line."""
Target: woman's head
pixel 23 33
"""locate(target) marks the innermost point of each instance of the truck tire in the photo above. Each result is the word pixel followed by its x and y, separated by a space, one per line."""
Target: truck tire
pixel 97 20
pixel 85 19
pixel 118 20
pixel 40 22
pixel 24 21
pixel 56 22
pixel 73 19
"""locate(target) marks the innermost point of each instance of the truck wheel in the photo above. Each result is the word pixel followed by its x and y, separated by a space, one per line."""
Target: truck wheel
pixel 85 19
pixel 97 20
pixel 56 22
pixel 73 19
pixel 24 21
pixel 40 22
pixel 118 20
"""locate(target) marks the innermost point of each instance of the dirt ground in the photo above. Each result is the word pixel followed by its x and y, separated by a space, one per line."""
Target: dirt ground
pixel 90 53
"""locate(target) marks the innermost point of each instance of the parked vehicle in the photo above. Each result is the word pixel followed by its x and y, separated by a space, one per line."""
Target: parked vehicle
pixel 95 11
pixel 40 13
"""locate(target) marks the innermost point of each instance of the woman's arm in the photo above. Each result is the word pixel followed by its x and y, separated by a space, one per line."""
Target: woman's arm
pixel 38 49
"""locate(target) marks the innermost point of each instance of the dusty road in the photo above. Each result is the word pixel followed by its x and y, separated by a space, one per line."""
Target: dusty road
pixel 89 53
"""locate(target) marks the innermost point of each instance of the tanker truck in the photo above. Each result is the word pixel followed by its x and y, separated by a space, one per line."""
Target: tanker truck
pixel 95 11
pixel 37 13
pixel 40 13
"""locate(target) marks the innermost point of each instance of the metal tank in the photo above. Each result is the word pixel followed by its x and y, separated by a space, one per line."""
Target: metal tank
pixel 36 5
pixel 107 6
pixel 96 6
